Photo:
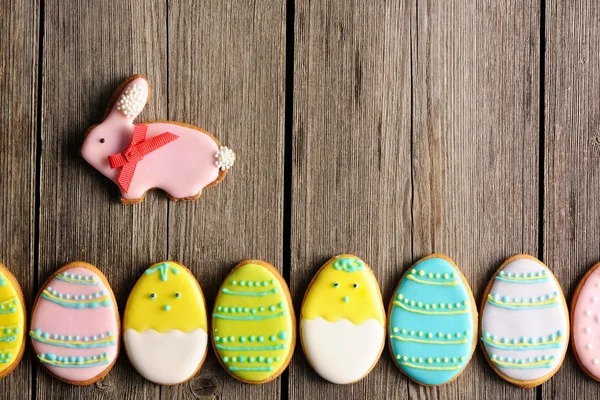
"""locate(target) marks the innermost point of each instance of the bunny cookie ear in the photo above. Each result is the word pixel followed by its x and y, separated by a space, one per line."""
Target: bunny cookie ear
pixel 129 99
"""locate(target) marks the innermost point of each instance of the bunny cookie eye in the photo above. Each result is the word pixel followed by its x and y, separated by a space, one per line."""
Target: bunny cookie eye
pixel 102 140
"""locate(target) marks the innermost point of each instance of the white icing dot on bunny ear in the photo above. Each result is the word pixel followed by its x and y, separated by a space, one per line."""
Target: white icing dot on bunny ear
pixel 225 158
pixel 131 101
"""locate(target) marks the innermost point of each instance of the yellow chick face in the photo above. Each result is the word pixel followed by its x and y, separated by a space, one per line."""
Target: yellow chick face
pixel 344 288
pixel 166 297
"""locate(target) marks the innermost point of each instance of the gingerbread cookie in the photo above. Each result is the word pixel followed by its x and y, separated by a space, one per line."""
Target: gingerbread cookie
pixel 164 327
pixel 179 158
pixel 432 322
pixel 253 323
pixel 342 320
pixel 75 324
pixel 524 322
pixel 12 322
pixel 585 320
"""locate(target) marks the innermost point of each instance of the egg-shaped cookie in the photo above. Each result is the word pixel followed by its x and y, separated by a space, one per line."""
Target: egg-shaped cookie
pixel 342 320
pixel 585 322
pixel 524 322
pixel 12 322
pixel 165 325
pixel 253 323
pixel 75 324
pixel 432 321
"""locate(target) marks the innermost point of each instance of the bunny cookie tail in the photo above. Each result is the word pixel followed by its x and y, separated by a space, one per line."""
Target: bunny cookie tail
pixel 224 158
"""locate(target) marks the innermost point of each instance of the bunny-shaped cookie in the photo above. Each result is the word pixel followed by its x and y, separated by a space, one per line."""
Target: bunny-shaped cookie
pixel 178 158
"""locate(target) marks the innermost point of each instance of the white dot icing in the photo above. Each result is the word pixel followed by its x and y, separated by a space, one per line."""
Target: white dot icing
pixel 588 330
pixel 131 101
pixel 589 346
pixel 225 157
pixel 596 361
pixel 588 312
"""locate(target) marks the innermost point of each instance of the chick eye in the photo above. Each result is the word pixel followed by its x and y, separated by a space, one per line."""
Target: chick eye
pixel 335 284
pixel 177 295
pixel 152 296
pixel 355 285
pixel 102 140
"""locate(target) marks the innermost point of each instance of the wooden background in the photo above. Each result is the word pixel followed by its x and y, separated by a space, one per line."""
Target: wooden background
pixel 389 129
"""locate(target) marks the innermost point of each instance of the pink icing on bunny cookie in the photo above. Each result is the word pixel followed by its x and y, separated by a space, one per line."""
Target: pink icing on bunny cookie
pixel 178 158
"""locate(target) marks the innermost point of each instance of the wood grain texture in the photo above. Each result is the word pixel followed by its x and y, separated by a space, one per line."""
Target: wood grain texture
pixel 351 185
pixel 572 154
pixel 475 150
pixel 227 75
pixel 89 48
pixel 19 21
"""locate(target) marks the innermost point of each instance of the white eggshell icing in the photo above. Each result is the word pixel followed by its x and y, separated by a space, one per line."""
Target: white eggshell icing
pixel 340 351
pixel 175 355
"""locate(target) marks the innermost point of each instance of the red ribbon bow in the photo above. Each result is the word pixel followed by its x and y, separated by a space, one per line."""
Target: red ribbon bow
pixel 136 151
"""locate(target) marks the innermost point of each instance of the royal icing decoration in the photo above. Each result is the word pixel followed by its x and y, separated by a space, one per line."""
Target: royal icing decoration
pixel 432 323
pixel 75 324
pixel 253 323
pixel 178 158
pixel 524 321
pixel 225 158
pixel 586 323
pixel 12 322
pixel 165 324
pixel 342 320
pixel 131 101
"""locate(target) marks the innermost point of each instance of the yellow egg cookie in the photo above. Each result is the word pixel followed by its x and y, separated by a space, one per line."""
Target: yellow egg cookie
pixel 342 322
pixel 12 322
pixel 165 326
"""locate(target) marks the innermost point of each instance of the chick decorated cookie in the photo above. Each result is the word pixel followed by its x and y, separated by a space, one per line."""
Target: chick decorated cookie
pixel 342 320
pixel 165 324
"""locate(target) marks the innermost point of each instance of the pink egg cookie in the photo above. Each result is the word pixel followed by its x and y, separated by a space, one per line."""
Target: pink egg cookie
pixel 585 317
pixel 179 158
pixel 75 326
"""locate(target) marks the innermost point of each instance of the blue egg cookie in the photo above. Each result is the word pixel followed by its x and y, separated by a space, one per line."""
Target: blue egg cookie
pixel 432 322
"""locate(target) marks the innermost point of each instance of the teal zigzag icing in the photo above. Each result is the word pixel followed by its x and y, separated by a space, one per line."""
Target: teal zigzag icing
pixel 163 269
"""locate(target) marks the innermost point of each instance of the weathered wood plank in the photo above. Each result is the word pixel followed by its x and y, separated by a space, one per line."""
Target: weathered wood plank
pixel 351 186
pixel 19 26
pixel 227 75
pixel 475 150
pixel 89 48
pixel 572 156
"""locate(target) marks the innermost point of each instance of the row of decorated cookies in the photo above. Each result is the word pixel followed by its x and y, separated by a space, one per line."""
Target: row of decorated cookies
pixel 432 325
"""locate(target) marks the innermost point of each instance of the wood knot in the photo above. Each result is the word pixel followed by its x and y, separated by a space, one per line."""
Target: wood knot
pixel 204 388
pixel 104 385
pixel 596 141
